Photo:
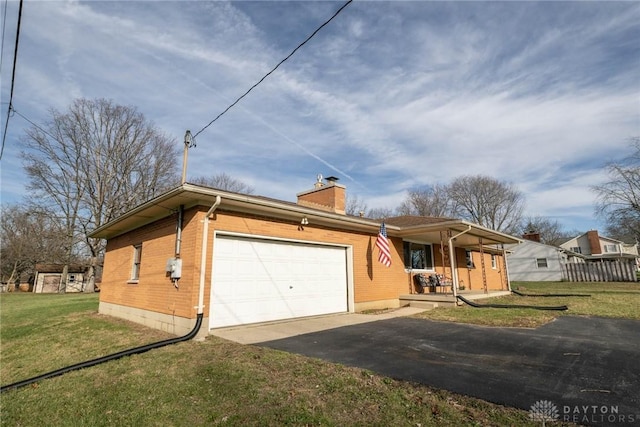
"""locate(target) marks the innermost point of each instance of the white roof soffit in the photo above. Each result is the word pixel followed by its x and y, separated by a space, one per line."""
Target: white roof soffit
pixel 191 195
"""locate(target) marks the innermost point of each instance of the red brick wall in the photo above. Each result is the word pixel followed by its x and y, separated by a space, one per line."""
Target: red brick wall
pixel 154 290
pixel 330 198
pixel 472 277
pixel 372 280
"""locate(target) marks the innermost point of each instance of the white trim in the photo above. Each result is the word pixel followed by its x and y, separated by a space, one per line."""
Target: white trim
pixel 277 239
pixel 136 263
pixel 546 262
pixel 420 270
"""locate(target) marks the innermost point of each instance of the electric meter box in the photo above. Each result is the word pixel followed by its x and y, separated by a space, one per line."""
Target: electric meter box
pixel 174 267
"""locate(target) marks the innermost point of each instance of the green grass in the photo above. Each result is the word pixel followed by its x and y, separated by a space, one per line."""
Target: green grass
pixel 616 300
pixel 215 382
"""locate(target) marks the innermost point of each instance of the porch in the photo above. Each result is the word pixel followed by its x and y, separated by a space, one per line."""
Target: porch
pixel 432 300
pixel 462 254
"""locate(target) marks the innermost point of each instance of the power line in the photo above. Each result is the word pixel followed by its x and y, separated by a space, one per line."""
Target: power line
pixel 274 68
pixel 13 78
pixel 34 124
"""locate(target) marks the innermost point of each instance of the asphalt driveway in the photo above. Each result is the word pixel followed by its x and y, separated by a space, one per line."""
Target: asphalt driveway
pixel 588 368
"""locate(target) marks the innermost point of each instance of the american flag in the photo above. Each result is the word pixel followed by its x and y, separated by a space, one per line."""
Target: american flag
pixel 382 243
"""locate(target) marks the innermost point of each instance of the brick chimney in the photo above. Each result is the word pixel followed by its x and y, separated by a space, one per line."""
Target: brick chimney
pixel 329 196
pixel 532 235
pixel 594 242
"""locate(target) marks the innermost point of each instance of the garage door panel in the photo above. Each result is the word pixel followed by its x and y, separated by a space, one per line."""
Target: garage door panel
pixel 261 280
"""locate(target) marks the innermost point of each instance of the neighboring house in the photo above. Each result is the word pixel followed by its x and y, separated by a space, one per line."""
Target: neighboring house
pixel 255 259
pixel 48 278
pixel 592 247
pixel 532 261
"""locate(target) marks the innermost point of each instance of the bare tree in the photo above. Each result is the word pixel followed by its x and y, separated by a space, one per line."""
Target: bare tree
pixel 488 202
pixel 381 213
pixel 28 237
pixel 354 205
pixel 430 200
pixel 622 232
pixel 550 231
pixel 223 181
pixel 618 200
pixel 93 163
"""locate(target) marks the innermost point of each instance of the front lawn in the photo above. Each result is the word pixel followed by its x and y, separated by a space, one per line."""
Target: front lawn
pixel 617 299
pixel 215 382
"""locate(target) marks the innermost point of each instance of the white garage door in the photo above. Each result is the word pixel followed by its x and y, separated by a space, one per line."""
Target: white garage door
pixel 257 280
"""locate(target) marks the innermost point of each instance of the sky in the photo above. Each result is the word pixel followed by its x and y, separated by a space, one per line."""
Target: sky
pixel 387 97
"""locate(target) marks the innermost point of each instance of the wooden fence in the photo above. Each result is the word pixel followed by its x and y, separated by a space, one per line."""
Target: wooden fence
pixel 610 271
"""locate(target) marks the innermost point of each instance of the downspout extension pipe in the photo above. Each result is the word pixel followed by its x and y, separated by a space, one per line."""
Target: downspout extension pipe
pixel 104 359
pixel 536 307
pixel 452 259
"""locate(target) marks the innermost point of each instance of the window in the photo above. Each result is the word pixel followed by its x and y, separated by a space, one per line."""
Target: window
pixel 610 248
pixel 417 256
pixel 494 262
pixel 542 263
pixel 469 257
pixel 137 257
pixel 576 249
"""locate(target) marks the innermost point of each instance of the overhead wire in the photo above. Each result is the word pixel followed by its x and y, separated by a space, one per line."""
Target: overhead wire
pixel 32 123
pixel 274 68
pixel 13 78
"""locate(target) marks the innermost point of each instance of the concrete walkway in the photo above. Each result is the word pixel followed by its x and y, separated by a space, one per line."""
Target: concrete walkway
pixel 252 334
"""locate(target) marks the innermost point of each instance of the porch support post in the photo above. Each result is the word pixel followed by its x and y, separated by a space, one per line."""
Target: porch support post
pixel 452 258
pixel 482 264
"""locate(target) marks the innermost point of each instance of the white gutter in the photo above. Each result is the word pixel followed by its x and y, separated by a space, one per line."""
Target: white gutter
pixel 452 259
pixel 191 195
pixel 203 258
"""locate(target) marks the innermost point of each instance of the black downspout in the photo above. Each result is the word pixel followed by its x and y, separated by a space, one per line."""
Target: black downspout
pixel 108 358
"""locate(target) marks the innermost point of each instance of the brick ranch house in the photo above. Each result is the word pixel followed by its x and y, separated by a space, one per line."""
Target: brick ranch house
pixel 241 259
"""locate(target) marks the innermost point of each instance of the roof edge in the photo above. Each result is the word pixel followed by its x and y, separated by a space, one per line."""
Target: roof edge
pixel 200 195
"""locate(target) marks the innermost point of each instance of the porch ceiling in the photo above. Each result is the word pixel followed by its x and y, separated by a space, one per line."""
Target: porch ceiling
pixel 473 234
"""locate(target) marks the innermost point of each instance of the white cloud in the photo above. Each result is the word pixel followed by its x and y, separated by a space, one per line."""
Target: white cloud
pixel 388 96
